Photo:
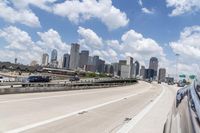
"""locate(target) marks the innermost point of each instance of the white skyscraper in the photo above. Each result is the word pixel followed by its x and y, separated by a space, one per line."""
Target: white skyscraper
pixel 162 74
pixel 129 60
pixel 74 56
pixel 45 59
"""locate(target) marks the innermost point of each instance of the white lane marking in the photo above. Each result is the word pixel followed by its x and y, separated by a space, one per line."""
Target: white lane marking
pixel 27 127
pixel 128 126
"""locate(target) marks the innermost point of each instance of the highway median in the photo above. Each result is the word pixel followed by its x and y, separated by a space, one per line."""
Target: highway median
pixel 65 86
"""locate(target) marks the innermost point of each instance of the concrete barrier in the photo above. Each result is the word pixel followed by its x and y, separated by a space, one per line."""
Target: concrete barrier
pixel 46 87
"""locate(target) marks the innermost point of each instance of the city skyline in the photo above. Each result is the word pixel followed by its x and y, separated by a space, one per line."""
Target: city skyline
pixel 82 60
pixel 136 30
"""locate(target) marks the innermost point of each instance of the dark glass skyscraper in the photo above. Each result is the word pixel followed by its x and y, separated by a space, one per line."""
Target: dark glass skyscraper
pixel 54 55
pixel 153 64
pixel 66 60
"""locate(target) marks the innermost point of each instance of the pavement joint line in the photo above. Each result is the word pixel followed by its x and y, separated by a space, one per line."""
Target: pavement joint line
pixel 127 127
pixel 41 123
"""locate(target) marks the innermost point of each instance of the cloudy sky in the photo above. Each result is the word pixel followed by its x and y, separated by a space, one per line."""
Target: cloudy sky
pixel 112 29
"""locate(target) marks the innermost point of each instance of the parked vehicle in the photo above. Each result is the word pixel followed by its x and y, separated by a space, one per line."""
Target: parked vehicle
pixel 38 79
pixel 181 84
pixel 1 79
pixel 75 78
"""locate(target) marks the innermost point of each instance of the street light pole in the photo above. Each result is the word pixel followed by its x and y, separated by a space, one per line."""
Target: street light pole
pixel 177 55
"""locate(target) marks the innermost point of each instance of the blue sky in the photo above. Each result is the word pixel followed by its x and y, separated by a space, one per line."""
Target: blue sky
pixel 112 29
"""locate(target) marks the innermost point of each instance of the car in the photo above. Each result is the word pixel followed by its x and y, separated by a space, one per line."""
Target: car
pixel 1 79
pixel 38 79
pixel 75 78
pixel 181 84
pixel 170 83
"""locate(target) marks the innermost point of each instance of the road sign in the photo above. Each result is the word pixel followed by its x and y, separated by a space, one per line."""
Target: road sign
pixel 182 76
pixel 192 76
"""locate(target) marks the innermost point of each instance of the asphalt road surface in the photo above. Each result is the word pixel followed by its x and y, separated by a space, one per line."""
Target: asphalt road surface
pixel 140 108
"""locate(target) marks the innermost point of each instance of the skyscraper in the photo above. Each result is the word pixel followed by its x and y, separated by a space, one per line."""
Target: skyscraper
pixel 45 59
pixel 66 60
pixel 15 60
pixel 162 74
pixel 74 56
pixel 95 61
pixel 136 68
pixel 149 74
pixel 126 71
pixel 129 60
pixel 54 55
pixel 142 72
pixel 100 66
pixel 109 69
pixel 115 68
pixel 121 62
pixel 84 55
pixel 90 60
pixel 90 65
pixel 153 64
pixel 54 62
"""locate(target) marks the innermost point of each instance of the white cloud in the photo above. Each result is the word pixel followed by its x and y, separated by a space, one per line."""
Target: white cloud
pixel 52 40
pixel 18 11
pixel 139 46
pixel 189 49
pixel 42 4
pixel 183 6
pixel 16 38
pixel 188 69
pixel 140 2
pixel 89 38
pixel 188 45
pixel 147 11
pixel 78 11
pixel 144 9
pixel 132 43
pixel 19 44
pixel 23 16
pixel 114 44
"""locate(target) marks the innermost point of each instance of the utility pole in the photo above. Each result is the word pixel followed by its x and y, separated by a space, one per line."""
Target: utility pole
pixel 177 55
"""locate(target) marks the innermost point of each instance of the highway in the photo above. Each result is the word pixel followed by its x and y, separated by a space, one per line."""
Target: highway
pixel 142 108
